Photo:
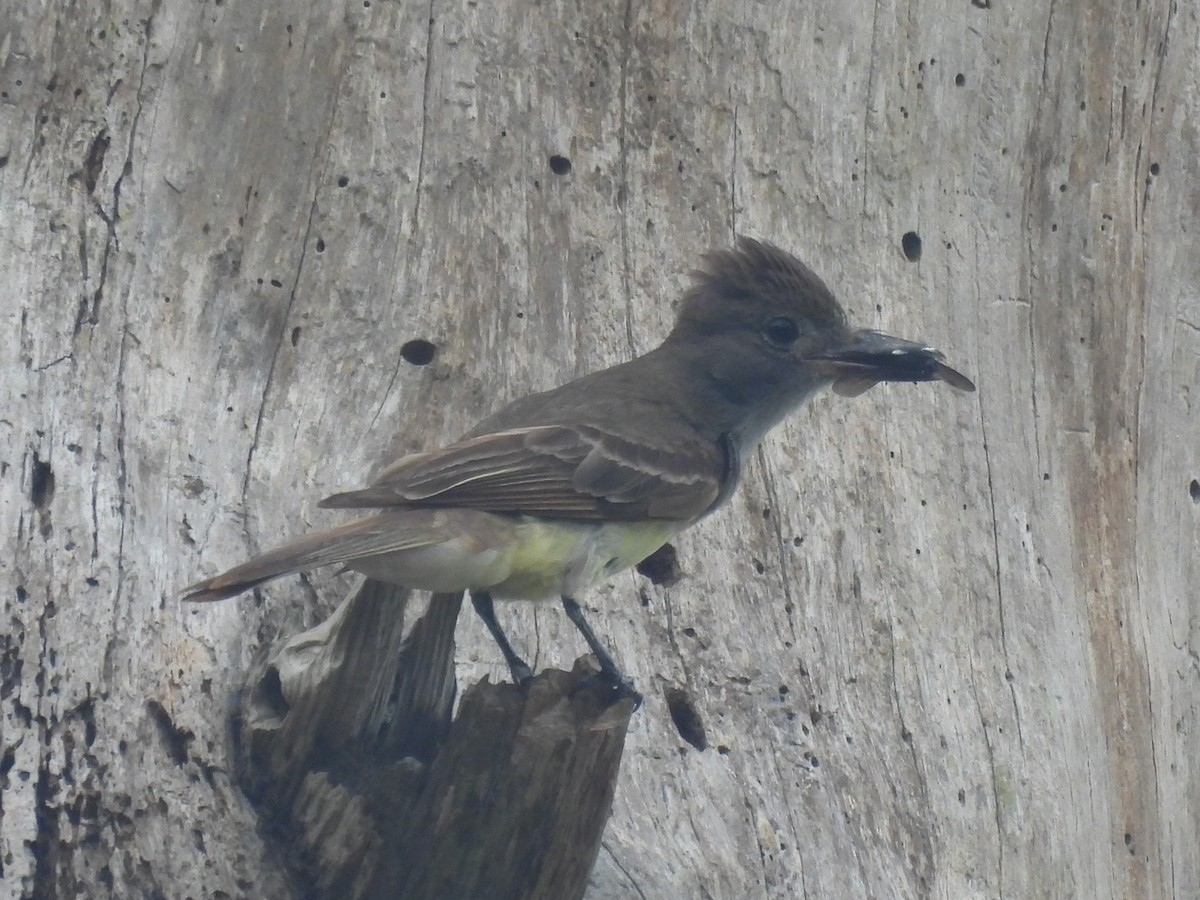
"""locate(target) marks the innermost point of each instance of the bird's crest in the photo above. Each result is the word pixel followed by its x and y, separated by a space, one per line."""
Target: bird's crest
pixel 757 272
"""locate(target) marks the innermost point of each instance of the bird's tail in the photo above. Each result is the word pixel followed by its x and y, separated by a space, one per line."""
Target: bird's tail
pixel 370 536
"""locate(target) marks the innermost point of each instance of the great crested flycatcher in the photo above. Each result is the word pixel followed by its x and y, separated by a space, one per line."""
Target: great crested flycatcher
pixel 560 490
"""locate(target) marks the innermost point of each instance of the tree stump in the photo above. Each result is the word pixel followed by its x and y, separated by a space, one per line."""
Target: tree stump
pixel 350 751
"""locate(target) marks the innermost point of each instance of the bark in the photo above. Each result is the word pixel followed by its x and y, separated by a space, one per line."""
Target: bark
pixel 935 647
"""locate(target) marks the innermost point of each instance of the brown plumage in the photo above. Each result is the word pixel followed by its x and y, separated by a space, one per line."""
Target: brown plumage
pixel 560 489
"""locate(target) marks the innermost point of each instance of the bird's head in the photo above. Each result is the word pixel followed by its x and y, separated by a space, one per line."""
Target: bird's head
pixel 768 333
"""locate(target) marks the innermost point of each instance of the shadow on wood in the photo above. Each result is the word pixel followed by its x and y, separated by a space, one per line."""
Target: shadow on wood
pixel 348 747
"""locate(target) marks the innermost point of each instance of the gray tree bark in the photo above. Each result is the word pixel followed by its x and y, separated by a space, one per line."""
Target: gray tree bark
pixel 936 646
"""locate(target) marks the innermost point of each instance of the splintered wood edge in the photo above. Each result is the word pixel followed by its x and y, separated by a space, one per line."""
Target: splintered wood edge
pixel 349 752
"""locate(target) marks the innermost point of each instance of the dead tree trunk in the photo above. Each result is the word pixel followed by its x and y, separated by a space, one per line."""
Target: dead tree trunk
pixel 935 647
pixel 352 756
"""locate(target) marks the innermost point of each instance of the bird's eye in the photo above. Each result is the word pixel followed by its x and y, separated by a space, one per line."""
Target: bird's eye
pixel 782 331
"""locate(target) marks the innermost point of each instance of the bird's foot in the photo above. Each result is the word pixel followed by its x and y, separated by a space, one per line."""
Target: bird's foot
pixel 521 673
pixel 620 687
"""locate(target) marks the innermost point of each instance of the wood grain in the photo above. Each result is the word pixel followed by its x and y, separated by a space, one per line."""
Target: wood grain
pixel 937 646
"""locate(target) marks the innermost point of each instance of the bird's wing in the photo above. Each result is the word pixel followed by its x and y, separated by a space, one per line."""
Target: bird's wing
pixel 556 471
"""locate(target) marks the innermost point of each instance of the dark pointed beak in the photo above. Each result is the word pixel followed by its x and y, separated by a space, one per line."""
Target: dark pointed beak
pixel 870 357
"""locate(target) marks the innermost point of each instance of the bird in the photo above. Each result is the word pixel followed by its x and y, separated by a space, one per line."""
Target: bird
pixel 560 490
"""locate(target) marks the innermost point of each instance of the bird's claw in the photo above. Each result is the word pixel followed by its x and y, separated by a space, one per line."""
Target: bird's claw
pixel 622 688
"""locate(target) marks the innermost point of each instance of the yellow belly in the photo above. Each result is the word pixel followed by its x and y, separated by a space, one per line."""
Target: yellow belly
pixel 557 559
pixel 513 558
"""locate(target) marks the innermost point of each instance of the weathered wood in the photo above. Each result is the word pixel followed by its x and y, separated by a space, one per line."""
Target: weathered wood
pixel 360 682
pixel 351 756
pixel 517 798
pixel 936 646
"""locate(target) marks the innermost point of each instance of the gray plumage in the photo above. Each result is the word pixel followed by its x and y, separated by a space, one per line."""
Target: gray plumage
pixel 658 439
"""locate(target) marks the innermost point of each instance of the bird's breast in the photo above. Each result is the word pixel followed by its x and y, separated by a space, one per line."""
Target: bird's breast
pixel 552 558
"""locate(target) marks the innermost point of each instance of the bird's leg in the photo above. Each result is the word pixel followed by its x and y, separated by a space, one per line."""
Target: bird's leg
pixel 608 666
pixel 482 602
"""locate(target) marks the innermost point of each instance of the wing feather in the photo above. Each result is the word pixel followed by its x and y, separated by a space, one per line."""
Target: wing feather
pixel 556 471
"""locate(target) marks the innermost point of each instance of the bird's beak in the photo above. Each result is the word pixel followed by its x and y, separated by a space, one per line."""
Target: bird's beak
pixel 870 357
